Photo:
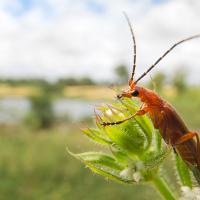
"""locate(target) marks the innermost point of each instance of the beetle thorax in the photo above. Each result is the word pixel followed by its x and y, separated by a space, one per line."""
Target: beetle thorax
pixel 149 97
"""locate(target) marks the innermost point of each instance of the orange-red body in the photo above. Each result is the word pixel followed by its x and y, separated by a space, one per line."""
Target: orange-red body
pixel 163 115
pixel 171 126
pixel 168 122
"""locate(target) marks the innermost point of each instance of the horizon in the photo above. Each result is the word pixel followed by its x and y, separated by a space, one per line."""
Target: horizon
pixel 54 39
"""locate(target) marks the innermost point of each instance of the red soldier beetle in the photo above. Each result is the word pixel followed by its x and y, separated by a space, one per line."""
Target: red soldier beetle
pixel 164 117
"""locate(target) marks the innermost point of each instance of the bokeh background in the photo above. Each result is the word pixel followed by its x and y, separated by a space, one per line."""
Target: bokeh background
pixel 60 58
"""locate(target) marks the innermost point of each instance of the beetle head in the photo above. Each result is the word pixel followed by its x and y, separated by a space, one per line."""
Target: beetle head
pixel 130 92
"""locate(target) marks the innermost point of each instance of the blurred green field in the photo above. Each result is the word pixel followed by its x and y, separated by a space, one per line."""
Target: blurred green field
pixel 35 165
pixel 188 106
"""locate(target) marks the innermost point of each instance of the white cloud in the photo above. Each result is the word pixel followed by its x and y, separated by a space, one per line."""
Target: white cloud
pixel 62 38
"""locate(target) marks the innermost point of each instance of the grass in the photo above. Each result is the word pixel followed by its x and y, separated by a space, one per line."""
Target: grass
pixel 89 92
pixel 84 92
pixel 7 90
pixel 36 166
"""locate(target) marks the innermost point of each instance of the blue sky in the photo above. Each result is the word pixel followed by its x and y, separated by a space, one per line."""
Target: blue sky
pixel 27 4
pixel 59 38
pixel 95 6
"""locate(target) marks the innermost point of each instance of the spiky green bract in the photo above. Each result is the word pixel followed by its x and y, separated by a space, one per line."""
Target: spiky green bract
pixel 183 171
pixel 196 173
pixel 103 164
pixel 128 136
pixel 136 153
pixel 97 135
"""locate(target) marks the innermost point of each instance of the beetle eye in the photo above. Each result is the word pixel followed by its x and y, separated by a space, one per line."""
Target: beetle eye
pixel 135 93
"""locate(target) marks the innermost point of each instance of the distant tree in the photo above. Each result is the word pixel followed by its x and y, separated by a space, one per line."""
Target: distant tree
pixel 52 89
pixel 41 115
pixel 157 81
pixel 86 81
pixel 67 81
pixel 19 82
pixel 179 80
pixel 121 73
pixel 75 81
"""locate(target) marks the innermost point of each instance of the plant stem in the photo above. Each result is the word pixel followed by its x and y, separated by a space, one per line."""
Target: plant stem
pixel 163 188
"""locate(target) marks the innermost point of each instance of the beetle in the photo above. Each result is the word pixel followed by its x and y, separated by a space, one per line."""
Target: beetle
pixel 163 115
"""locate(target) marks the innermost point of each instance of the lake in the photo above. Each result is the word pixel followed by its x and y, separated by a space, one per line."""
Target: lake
pixel 14 109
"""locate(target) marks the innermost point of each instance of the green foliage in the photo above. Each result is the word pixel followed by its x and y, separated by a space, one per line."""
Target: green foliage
pixel 86 81
pixel 36 167
pixel 137 153
pixel 41 114
pixel 134 156
pixel 121 73
pixel 50 89
pixel 75 81
pixel 97 136
pixel 188 106
pixel 55 88
pixel 157 81
pixel 103 164
pixel 183 171
pixel 19 82
pixel 179 80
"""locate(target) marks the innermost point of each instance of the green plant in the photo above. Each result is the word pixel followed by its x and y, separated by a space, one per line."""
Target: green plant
pixel 121 73
pixel 41 114
pixel 158 81
pixel 179 80
pixel 136 151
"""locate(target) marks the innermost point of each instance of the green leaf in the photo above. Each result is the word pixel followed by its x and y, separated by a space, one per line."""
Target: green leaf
pixel 128 136
pixel 143 121
pixel 99 158
pixel 158 140
pixel 183 171
pixel 97 135
pixel 103 164
pixel 146 125
pixel 112 175
pixel 154 159
pixel 119 154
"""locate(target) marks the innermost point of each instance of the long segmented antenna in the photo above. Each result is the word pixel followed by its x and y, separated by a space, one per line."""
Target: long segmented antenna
pixel 176 44
pixel 134 45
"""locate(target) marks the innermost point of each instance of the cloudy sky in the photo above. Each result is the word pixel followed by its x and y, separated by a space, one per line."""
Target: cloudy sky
pixel 61 38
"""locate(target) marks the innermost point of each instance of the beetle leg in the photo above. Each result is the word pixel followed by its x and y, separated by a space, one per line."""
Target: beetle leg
pixel 140 112
pixel 187 137
pixel 174 149
pixel 143 110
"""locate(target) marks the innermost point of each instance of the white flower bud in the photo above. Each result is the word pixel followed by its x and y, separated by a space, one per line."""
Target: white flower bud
pixel 137 176
pixel 109 112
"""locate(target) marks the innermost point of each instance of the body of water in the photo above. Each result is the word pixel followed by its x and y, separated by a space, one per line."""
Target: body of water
pixel 14 109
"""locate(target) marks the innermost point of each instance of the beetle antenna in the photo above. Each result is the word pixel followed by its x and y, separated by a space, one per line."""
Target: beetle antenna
pixel 134 44
pixel 176 44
